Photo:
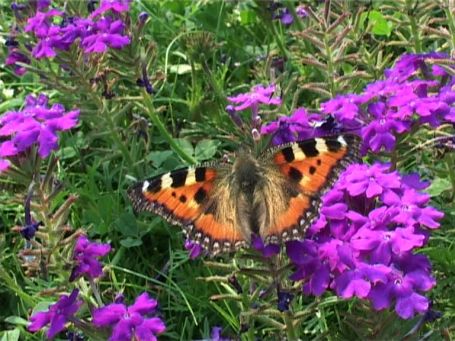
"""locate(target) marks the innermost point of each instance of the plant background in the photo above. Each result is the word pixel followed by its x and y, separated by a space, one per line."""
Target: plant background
pixel 197 53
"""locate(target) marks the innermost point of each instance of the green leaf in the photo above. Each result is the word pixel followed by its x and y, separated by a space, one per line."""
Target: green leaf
pixel 247 17
pixel 380 26
pixel 11 335
pixel 159 157
pixel 185 145
pixel 17 320
pixel 42 306
pixel 438 186
pixel 131 242
pixel 126 225
pixel 206 149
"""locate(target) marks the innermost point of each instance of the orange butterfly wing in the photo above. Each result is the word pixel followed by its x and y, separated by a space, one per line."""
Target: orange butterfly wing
pixel 311 167
pixel 196 199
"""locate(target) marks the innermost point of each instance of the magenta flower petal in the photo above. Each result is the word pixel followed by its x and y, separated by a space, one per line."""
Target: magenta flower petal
pixel 108 315
pixel 38 321
pixel 409 305
pixel 143 304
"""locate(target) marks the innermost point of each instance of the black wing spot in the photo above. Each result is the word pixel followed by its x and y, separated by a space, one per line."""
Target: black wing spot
pixel 288 154
pixel 199 174
pixel 308 147
pixel 295 174
pixel 154 186
pixel 179 178
pixel 312 170
pixel 174 194
pixel 200 195
pixel 318 162
pixel 333 145
pixel 182 198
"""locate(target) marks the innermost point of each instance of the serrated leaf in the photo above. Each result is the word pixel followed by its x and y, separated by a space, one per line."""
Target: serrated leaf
pixel 130 242
pixel 206 149
pixel 438 186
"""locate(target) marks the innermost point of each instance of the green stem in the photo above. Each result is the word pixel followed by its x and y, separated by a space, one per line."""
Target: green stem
pixel 450 22
pixel 414 28
pixel 162 129
pixel 451 171
pixel 96 293
pixel 116 136
pixel 290 330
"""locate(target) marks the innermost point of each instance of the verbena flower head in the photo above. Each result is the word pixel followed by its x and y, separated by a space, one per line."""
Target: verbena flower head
pixel 258 95
pixel 85 256
pixel 95 34
pixel 36 124
pixel 363 244
pixel 413 93
pixel 132 322
pixel 57 315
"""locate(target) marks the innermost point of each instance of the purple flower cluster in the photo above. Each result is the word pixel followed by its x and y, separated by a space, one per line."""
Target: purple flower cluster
pixel 363 243
pixel 103 29
pixel 85 256
pixel 130 323
pixel 57 315
pixel 37 123
pixel 413 93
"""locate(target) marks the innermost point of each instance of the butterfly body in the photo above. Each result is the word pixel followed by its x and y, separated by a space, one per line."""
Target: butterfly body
pixel 276 195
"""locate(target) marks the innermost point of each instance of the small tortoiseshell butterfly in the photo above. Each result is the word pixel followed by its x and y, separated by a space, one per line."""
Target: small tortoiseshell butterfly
pixel 276 196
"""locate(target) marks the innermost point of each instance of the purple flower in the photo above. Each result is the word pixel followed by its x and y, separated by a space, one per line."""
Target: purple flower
pixel 85 256
pixel 115 6
pixel 258 95
pixel 130 323
pixel 370 181
pixel 57 315
pixel 103 34
pixel 41 22
pixel 36 123
pixel 194 249
pixel 215 335
pixel 14 56
pixel 267 251
pixel 298 126
pixel 408 64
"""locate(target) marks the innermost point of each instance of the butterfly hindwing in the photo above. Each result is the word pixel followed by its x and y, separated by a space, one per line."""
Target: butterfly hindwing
pixel 195 198
pixel 310 167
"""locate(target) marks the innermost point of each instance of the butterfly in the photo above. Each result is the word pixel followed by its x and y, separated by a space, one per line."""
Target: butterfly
pixel 276 195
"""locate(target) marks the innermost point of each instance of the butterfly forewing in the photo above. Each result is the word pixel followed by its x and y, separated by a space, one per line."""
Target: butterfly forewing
pixel 196 199
pixel 311 167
